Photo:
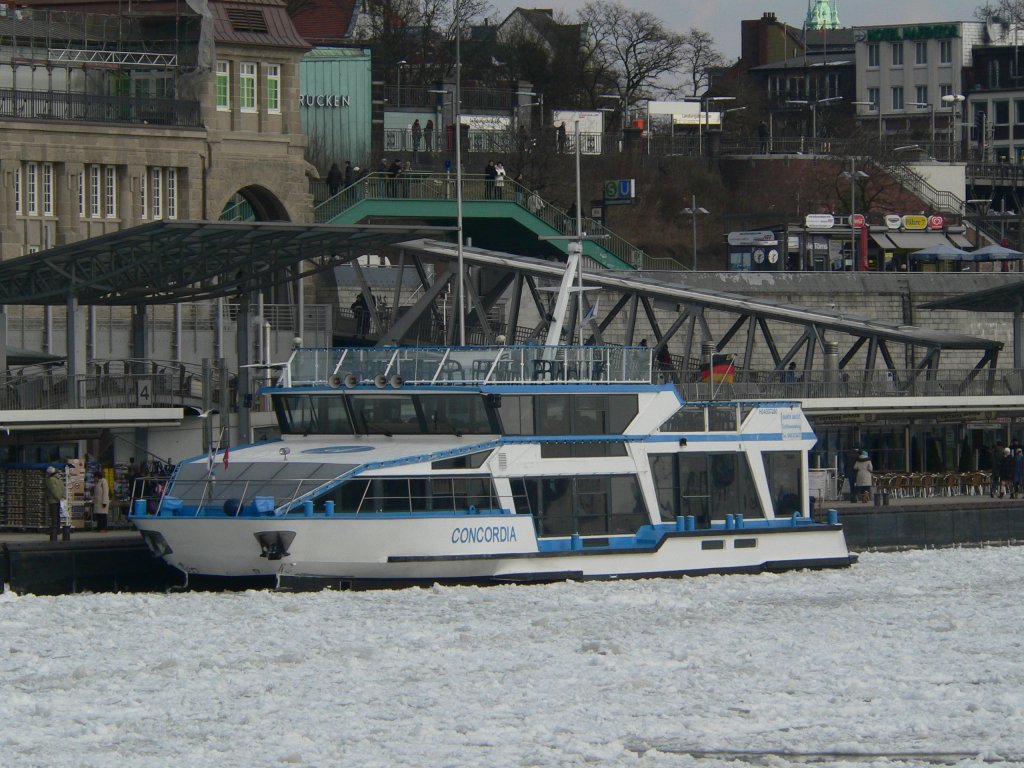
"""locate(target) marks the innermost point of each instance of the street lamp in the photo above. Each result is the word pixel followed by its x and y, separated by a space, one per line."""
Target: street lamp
pixel 922 105
pixel 958 99
pixel 853 175
pixel 401 64
pixel 873 105
pixel 695 211
pixel 814 112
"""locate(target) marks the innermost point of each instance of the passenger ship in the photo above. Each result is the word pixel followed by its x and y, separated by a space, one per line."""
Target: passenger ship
pixel 495 464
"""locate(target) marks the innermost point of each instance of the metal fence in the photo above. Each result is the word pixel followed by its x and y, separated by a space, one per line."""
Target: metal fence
pixel 88 107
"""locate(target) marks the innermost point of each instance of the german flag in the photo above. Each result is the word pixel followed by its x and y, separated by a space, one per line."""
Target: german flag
pixel 721 370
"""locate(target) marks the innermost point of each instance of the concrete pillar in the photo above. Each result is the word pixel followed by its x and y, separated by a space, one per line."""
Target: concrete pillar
pixel 1018 339
pixel 831 368
pixel 707 354
pixel 76 362
pixel 3 339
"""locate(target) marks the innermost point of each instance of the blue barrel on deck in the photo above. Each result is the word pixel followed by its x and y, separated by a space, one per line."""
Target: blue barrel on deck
pixel 795 518
pixel 329 508
pixel 575 542
pixel 691 523
pixel 833 516
pixel 139 507
pixel 307 508
pixel 738 519
pixel 681 523
pixel 730 522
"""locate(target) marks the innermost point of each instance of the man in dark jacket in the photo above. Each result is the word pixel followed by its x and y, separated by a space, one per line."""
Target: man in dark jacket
pixel 334 180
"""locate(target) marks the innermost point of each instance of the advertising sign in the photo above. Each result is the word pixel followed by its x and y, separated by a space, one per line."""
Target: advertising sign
pixel 892 221
pixel 913 222
pixel 820 221
pixel 936 222
pixel 857 220
pixel 753 237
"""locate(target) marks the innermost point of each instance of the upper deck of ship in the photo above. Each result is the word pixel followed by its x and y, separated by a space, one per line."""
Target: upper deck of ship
pixel 466 366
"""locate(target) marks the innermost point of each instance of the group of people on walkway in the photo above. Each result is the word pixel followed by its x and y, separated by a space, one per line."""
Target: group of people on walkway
pixel 1007 470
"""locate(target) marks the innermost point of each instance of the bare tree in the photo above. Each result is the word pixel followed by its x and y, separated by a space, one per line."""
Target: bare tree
pixel 631 48
pixel 699 57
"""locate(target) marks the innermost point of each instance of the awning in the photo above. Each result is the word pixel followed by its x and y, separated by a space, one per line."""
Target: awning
pixel 883 242
pixel 915 241
pixel 959 240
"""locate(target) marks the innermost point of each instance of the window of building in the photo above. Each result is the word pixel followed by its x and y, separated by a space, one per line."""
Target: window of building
pixel 1001 112
pixel 47 189
pixel 922 94
pixel 81 194
pixel 873 55
pixel 223 86
pixel 1019 112
pixel 94 191
pixel 945 51
pixel 32 189
pixel 993 74
pixel 921 52
pixel 172 193
pixel 897 97
pixel 874 96
pixel 110 191
pixel 143 196
pixel 945 90
pixel 156 184
pixel 274 88
pixel 17 190
pixel 897 54
pixel 247 86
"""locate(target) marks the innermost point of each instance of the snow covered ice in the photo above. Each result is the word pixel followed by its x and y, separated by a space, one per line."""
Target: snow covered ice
pixel 903 659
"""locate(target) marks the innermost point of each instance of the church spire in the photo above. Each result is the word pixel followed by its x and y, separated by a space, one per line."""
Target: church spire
pixel 822 14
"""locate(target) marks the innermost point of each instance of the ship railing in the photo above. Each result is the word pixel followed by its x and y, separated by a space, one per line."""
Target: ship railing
pixel 468 366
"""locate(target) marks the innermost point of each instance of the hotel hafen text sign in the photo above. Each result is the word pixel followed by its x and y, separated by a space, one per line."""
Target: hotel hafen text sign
pixel 923 32
pixel 322 100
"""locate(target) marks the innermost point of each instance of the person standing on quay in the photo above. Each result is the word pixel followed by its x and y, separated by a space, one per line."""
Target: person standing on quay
pixel 54 493
pixel 863 469
pixel 100 502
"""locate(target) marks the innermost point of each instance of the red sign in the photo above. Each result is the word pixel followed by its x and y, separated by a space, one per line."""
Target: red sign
pixel 936 222
pixel 858 220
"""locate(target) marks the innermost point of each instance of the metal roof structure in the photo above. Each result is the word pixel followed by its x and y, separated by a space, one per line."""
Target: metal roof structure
pixel 166 262
pixel 1003 298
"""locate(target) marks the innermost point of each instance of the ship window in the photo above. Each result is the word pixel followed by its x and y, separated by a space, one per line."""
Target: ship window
pixel 745 543
pixel 587 505
pixel 785 481
pixel 588 449
pixel 689 418
pixel 722 418
pixel 384 415
pixel 305 414
pixel 468 461
pixel 519 496
pixel 552 415
pixel 584 414
pixel 516 415
pixel 414 494
pixel 449 415
pixel 713 544
pixel 732 486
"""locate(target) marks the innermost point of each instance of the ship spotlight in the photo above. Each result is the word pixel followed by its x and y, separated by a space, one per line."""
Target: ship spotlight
pixel 351 380
pixel 397 381
pixel 380 381
pixel 334 381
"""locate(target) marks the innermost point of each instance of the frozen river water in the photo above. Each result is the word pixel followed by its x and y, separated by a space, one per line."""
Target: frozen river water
pixel 905 659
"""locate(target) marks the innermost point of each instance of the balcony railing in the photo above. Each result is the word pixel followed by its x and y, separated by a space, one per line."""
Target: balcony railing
pixel 86 107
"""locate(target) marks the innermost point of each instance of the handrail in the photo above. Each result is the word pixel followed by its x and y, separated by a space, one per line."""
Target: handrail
pixel 475 187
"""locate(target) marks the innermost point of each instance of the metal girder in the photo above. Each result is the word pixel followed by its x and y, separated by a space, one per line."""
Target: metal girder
pixel 871 339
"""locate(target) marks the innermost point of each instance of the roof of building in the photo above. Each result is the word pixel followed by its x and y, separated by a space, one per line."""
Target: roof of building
pixel 831 59
pixel 325 21
pixel 255 22
pixel 1002 298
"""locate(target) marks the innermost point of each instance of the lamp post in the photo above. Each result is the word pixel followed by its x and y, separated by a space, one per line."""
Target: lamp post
pixel 398 100
pixel 853 175
pixel 873 105
pixel 814 113
pixel 922 105
pixel 951 99
pixel 705 102
pixel 695 211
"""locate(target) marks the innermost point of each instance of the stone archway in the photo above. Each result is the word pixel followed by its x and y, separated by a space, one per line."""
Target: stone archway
pixel 254 203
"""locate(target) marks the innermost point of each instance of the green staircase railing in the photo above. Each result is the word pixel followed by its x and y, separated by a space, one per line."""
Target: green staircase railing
pixel 478 188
